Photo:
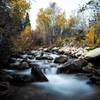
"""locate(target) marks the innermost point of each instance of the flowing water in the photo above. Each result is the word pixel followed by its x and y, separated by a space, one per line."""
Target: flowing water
pixel 62 86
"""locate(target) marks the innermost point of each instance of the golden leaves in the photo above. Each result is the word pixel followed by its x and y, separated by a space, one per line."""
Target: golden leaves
pixel 23 41
pixel 60 19
pixel 43 20
pixel 19 7
pixel 71 21
pixel 26 32
pixel 91 36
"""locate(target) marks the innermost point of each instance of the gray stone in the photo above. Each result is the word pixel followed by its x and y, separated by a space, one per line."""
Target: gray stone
pixel 61 59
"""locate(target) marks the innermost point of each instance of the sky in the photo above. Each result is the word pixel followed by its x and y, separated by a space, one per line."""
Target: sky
pixel 66 5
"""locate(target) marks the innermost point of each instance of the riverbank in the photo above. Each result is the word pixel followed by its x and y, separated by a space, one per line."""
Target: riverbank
pixel 23 72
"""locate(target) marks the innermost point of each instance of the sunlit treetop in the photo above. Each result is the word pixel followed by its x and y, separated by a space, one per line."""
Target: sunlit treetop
pixel 19 7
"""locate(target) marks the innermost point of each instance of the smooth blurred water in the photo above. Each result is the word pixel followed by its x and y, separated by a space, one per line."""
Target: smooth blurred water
pixel 67 85
pixel 62 86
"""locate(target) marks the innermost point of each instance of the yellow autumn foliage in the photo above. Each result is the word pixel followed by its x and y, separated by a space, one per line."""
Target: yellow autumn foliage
pixel 26 31
pixel 91 36
pixel 71 21
pixel 23 41
pixel 60 20
pixel 19 7
pixel 43 20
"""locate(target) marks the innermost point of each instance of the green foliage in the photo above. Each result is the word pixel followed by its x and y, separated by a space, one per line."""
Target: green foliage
pixel 7 31
pixel 27 20
pixel 24 40
pixel 8 28
pixel 19 10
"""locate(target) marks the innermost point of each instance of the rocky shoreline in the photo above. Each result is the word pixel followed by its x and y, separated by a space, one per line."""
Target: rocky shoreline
pixel 69 60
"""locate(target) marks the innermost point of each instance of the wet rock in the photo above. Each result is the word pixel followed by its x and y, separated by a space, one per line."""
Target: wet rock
pixel 5 77
pixel 44 58
pixel 74 66
pixel 12 60
pixel 31 57
pixel 88 68
pixel 93 56
pixel 15 79
pixel 77 52
pixel 21 79
pixel 31 65
pixel 29 61
pixel 18 55
pixel 95 80
pixel 4 90
pixel 26 56
pixel 55 49
pixel 34 53
pixel 61 59
pixel 37 73
pixel 47 49
pixel 19 60
pixel 24 65
pixel 19 65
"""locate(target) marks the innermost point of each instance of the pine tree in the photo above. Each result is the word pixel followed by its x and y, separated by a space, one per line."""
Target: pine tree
pixel 7 31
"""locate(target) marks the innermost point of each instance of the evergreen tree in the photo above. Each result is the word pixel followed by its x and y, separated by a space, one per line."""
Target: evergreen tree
pixel 7 31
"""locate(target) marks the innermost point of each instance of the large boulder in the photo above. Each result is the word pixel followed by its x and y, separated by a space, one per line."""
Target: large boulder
pixel 93 56
pixel 37 73
pixel 74 66
pixel 61 59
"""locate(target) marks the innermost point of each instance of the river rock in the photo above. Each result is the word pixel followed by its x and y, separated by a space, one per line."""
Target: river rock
pixel 47 49
pixel 92 70
pixel 5 77
pixel 95 80
pixel 21 79
pixel 31 65
pixel 93 56
pixel 4 89
pixel 12 60
pixel 61 59
pixel 24 65
pixel 44 58
pixel 15 79
pixel 37 73
pixel 25 56
pixel 55 49
pixel 74 66
pixel 19 65
pixel 88 68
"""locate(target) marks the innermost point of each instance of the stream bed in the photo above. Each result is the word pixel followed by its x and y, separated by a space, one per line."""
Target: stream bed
pixel 59 86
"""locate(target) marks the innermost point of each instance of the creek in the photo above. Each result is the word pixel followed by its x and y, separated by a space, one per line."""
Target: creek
pixel 59 86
